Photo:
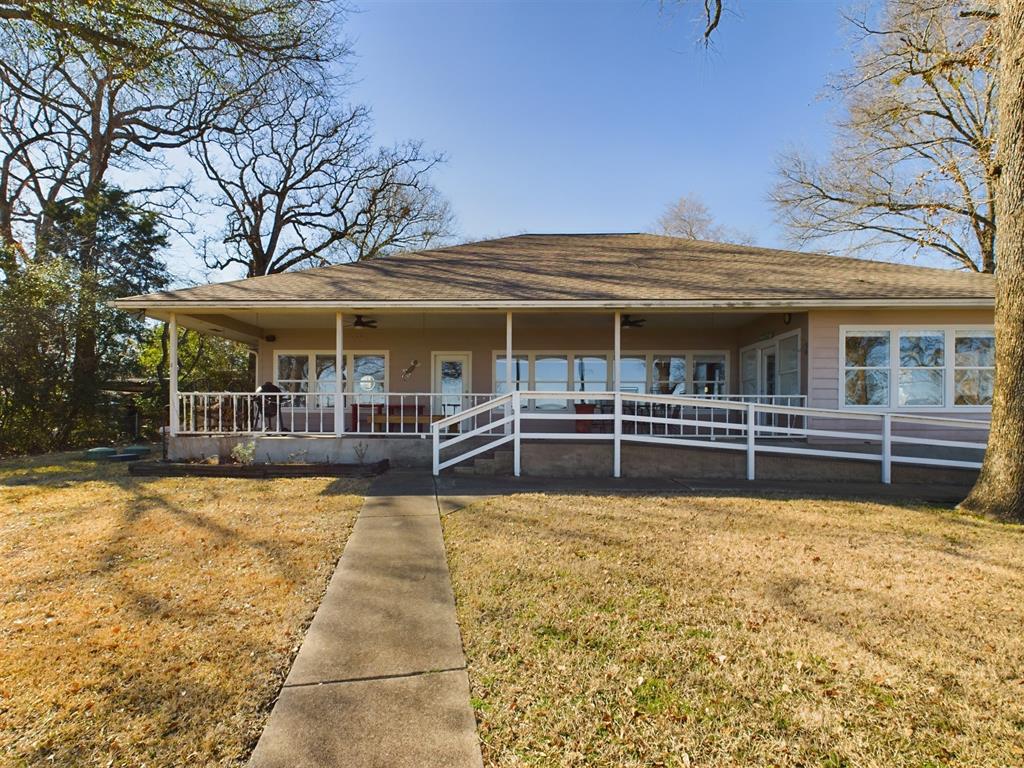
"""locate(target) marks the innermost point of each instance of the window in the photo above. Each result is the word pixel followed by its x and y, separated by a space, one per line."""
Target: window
pixel 926 367
pixel 520 373
pixel 788 363
pixel 748 371
pixel 551 374
pixel 974 359
pixel 709 374
pixel 364 373
pixel 668 375
pixel 293 373
pixel 922 364
pixel 368 379
pixel 590 373
pixel 675 373
pixel 326 378
pixel 633 373
pixel 867 364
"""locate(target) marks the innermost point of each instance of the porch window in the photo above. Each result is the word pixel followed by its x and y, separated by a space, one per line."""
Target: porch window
pixel 709 374
pixel 368 378
pixel 520 373
pixel 922 363
pixel 749 360
pixel 293 373
pixel 551 374
pixel 867 367
pixel 641 372
pixel 633 370
pixel 590 373
pixel 789 365
pixel 974 361
pixel 316 373
pixel 668 375
pixel 326 377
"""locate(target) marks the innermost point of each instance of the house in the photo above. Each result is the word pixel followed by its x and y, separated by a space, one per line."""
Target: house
pixel 620 353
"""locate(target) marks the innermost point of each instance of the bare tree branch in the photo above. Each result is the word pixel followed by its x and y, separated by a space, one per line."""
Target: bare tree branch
pixel 303 186
pixel 689 217
pixel 914 167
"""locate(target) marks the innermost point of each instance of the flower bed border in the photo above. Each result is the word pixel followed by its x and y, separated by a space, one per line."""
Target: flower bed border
pixel 255 471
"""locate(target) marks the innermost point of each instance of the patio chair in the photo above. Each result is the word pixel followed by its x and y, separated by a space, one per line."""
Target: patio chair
pixel 265 410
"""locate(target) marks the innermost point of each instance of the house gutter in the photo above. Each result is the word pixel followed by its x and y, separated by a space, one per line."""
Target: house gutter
pixel 740 304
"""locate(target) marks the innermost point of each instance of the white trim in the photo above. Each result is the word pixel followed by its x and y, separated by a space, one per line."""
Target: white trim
pixel 339 381
pixel 617 358
pixel 356 307
pixel 948 330
pixel 172 331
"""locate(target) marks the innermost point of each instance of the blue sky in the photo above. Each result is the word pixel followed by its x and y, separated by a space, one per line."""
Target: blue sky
pixel 573 117
pixel 587 116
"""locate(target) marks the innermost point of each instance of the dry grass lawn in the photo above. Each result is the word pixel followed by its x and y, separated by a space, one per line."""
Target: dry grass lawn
pixel 730 631
pixel 149 622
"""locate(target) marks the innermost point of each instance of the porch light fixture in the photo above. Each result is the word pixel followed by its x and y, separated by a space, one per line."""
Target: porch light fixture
pixel 787 318
pixel 270 337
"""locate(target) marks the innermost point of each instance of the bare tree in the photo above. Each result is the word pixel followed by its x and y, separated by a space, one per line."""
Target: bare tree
pixel 90 87
pixel 303 186
pixel 914 166
pixel 70 119
pixel 999 491
pixel 689 217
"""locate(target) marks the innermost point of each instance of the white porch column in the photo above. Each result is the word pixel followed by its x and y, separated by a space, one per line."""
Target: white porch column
pixel 616 371
pixel 508 351
pixel 339 374
pixel 617 380
pixel 172 330
pixel 508 367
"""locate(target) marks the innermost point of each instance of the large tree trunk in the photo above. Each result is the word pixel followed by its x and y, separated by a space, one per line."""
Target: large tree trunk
pixel 1000 488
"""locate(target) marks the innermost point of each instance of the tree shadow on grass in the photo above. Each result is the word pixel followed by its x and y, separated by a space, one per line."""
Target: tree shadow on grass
pixel 341 486
pixel 167 713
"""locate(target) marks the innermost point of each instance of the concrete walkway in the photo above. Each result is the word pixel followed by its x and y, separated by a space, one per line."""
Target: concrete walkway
pixel 380 679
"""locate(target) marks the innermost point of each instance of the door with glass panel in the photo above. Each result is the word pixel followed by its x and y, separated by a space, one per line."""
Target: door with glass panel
pixel 451 382
pixel 771 370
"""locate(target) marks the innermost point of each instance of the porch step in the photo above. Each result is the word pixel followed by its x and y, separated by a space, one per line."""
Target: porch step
pixel 487 464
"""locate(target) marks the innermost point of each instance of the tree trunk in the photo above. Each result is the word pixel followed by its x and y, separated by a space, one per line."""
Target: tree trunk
pixel 999 491
pixel 84 385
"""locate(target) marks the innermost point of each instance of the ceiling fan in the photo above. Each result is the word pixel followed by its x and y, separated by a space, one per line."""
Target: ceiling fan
pixel 628 321
pixel 363 322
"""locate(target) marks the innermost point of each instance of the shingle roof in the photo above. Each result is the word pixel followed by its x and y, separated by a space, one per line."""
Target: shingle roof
pixel 591 269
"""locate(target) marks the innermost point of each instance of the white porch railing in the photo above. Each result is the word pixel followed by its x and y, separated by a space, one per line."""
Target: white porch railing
pixel 728 424
pixel 302 413
pixel 392 413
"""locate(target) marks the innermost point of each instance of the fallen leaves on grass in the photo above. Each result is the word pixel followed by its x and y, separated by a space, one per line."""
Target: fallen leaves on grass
pixel 635 631
pixel 150 621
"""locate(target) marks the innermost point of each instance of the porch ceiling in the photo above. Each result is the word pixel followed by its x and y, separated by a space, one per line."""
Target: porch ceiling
pixel 250 326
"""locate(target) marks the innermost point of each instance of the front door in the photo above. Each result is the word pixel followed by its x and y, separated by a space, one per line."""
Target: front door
pixel 451 381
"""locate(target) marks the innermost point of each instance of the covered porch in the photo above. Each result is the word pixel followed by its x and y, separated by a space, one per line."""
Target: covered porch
pixel 440 389
pixel 402 372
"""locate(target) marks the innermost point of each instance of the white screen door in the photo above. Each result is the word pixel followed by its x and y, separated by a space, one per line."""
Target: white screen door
pixel 451 381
